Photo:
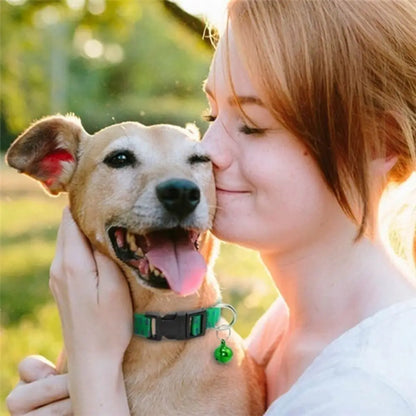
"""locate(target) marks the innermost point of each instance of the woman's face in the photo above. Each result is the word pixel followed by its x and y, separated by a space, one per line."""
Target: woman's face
pixel 270 193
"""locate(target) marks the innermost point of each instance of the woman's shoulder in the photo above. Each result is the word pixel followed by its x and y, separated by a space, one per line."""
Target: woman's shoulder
pixel 384 342
pixel 267 332
pixel 370 369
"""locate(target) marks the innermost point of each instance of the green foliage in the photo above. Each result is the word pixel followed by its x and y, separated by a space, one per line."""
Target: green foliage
pixel 128 61
pixel 29 228
pixel 39 333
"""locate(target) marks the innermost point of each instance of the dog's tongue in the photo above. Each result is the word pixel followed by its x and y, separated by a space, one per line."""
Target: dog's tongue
pixel 176 257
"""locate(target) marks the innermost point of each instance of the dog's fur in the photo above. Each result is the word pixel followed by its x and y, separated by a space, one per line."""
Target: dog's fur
pixel 168 377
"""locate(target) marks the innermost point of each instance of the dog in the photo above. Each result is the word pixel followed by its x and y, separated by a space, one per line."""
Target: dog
pixel 145 197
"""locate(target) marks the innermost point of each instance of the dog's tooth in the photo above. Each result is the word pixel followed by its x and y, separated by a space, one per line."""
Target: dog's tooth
pixel 129 236
pixel 193 235
pixel 139 252
pixel 152 268
pixel 131 240
pixel 120 238
pixel 156 273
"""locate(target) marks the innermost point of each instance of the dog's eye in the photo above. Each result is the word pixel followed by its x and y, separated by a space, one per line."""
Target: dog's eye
pixel 198 159
pixel 120 159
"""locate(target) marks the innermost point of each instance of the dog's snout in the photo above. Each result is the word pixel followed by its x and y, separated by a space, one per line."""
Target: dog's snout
pixel 178 196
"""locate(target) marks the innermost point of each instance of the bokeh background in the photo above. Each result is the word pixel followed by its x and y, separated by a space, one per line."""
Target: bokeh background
pixel 107 61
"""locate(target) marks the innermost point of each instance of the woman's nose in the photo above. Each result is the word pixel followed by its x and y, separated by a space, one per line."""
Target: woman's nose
pixel 215 143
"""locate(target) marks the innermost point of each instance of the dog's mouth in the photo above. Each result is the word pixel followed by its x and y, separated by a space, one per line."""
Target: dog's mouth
pixel 163 259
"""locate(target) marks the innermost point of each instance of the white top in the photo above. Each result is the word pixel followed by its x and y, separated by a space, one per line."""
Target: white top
pixel 369 370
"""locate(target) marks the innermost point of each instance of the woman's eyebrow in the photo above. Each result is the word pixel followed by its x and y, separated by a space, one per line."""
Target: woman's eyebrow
pixel 245 99
pixel 236 100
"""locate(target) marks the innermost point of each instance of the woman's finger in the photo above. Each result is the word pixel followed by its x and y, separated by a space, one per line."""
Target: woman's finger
pixel 61 408
pixel 110 275
pixel 27 397
pixel 113 288
pixel 35 367
pixel 70 233
pixel 73 258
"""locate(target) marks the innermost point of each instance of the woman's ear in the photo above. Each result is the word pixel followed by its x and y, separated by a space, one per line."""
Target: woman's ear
pixel 381 166
pixel 394 159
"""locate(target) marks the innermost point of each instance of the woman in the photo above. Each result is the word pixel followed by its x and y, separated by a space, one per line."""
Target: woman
pixel 313 111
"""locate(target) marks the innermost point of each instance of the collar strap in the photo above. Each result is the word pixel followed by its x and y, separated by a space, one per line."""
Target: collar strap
pixel 180 325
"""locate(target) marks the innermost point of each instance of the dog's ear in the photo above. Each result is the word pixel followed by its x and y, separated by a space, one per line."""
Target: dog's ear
pixel 47 151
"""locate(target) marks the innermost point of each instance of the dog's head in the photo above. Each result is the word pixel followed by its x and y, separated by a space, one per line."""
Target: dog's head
pixel 142 195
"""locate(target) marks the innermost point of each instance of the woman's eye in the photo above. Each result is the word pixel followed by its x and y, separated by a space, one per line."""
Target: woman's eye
pixel 120 159
pixel 208 117
pixel 245 129
pixel 251 130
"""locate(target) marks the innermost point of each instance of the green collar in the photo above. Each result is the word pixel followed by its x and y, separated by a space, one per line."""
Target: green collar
pixel 180 325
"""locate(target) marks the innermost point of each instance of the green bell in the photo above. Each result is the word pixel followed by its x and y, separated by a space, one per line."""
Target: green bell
pixel 223 354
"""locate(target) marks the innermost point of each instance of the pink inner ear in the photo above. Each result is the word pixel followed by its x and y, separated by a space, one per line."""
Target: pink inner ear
pixel 51 166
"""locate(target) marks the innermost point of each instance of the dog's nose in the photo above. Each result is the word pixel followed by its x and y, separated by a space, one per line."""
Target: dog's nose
pixel 178 196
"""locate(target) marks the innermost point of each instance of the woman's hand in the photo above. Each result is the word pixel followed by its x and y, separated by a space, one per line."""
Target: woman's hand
pixel 40 390
pixel 92 296
pixel 95 308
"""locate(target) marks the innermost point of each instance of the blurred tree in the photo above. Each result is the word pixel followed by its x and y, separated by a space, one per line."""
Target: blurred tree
pixel 105 61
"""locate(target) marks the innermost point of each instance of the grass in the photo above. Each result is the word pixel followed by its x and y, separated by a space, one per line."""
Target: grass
pixel 30 324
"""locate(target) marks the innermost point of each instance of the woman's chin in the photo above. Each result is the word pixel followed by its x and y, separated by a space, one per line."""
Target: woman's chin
pixel 230 233
pixel 225 235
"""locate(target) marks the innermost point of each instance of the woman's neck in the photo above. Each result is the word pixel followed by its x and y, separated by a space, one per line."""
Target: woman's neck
pixel 334 284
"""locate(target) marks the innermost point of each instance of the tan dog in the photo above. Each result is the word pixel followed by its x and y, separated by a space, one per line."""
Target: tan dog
pixel 145 197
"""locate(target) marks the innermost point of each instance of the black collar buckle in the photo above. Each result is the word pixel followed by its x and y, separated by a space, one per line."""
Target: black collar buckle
pixel 179 326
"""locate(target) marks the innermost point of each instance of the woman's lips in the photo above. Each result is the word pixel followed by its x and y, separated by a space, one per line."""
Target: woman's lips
pixel 230 191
